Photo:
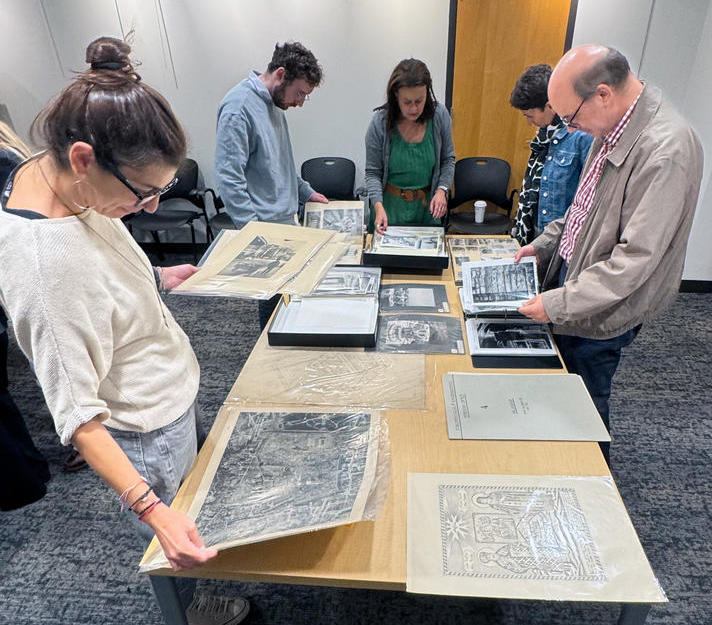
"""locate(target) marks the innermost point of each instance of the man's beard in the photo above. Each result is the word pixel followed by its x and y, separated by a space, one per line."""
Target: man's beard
pixel 278 96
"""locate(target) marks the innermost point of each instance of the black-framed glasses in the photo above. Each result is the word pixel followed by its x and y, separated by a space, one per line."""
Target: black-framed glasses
pixel 570 121
pixel 142 197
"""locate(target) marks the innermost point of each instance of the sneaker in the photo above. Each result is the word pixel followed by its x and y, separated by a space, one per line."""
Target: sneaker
pixel 213 610
pixel 74 462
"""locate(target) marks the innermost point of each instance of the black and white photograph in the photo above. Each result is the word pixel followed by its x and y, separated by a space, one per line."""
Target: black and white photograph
pixel 500 280
pixel 260 259
pixel 410 240
pixel 504 337
pixel 412 297
pixel 426 334
pixel 356 281
pixel 340 216
pixel 285 472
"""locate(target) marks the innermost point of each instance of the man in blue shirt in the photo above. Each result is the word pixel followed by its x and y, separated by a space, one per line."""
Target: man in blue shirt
pixel 254 165
pixel 556 160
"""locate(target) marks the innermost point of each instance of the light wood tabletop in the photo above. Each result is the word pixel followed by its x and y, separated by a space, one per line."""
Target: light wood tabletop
pixel 373 554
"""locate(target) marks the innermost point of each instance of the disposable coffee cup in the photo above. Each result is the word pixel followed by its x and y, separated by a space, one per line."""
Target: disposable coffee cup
pixel 480 206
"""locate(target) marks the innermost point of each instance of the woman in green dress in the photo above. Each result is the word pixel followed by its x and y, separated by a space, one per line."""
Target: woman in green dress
pixel 410 158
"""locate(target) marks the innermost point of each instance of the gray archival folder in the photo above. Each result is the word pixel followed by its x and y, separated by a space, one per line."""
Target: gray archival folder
pixel 547 406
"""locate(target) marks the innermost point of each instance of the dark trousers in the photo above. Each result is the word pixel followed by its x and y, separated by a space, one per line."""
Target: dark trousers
pixel 596 361
pixel 23 469
pixel 265 308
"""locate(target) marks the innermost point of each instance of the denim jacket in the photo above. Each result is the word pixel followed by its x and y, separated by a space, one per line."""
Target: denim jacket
pixel 560 175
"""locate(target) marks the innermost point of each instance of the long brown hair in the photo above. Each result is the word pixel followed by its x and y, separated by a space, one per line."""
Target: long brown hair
pixel 110 108
pixel 408 73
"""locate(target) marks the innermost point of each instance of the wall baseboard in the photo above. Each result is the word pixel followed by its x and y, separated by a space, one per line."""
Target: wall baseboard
pixel 696 286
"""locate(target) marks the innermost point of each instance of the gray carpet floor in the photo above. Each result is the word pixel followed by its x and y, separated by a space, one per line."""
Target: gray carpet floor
pixel 70 559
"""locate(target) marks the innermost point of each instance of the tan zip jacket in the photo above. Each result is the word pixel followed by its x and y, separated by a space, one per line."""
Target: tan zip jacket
pixel 627 264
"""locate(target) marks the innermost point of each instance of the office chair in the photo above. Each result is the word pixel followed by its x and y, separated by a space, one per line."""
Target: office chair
pixel 332 176
pixel 177 208
pixel 481 178
pixel 219 221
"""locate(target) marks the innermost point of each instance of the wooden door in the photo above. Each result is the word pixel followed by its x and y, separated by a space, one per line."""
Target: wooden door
pixel 495 41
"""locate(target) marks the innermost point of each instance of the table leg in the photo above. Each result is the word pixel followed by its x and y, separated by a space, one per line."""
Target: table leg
pixel 633 613
pixel 168 599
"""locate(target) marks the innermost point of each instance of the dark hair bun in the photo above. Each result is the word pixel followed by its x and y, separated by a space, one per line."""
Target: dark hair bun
pixel 109 53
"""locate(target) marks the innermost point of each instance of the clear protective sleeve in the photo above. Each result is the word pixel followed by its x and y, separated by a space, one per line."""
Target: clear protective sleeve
pixel 539 537
pixel 330 377
pixel 278 471
pixel 259 260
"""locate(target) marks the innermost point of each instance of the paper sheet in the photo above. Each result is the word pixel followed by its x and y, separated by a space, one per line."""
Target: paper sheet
pixel 524 537
pixel 518 406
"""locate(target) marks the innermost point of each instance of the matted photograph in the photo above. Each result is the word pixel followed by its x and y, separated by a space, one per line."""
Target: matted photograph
pixel 349 281
pixel 410 240
pixel 426 334
pixel 500 280
pixel 412 297
pixel 340 216
pixel 506 337
pixel 260 259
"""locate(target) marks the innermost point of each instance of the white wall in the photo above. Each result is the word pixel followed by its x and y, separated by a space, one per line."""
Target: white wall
pixel 195 51
pixel 669 43
pixel 699 112
pixel 621 24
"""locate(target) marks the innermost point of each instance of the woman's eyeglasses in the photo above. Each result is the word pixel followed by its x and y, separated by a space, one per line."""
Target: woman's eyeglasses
pixel 142 197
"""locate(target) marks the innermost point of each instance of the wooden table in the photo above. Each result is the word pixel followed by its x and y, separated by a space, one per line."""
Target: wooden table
pixel 373 555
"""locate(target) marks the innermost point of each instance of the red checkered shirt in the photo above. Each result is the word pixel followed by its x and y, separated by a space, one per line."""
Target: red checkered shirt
pixel 586 191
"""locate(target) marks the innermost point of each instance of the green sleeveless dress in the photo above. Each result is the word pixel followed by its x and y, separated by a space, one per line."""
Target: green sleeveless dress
pixel 410 166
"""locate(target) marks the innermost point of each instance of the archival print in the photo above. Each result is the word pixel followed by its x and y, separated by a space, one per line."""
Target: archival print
pixel 413 297
pixel 290 472
pixel 524 537
pixel 260 259
pixel 507 337
pixel 426 334
pixel 470 249
pixel 410 240
pixel 340 216
pixel 356 281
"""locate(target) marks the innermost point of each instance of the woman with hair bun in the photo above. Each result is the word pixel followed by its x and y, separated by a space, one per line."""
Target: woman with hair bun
pixel 118 374
pixel 410 157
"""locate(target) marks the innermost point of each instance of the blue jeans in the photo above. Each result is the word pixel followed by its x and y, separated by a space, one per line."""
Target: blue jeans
pixel 596 361
pixel 164 458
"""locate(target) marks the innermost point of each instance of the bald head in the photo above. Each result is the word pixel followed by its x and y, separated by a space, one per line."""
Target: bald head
pixel 597 75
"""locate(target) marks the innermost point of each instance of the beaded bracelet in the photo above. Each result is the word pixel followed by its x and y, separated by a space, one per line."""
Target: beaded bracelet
pixel 148 509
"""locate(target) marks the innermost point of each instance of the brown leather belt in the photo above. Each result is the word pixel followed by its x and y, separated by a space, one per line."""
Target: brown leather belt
pixel 408 194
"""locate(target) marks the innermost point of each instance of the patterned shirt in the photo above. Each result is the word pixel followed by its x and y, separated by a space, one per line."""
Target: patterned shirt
pixel 583 200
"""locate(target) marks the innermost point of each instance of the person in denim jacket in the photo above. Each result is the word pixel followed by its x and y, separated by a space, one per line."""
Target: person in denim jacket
pixel 556 159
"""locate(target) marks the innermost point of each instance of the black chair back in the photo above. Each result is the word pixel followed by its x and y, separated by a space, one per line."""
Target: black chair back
pixel 187 175
pixel 333 176
pixel 482 178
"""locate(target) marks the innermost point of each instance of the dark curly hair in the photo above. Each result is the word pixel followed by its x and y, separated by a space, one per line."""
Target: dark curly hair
pixel 408 73
pixel 530 90
pixel 108 106
pixel 297 61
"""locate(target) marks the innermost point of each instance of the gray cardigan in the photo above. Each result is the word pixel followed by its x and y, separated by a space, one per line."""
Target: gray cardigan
pixel 378 150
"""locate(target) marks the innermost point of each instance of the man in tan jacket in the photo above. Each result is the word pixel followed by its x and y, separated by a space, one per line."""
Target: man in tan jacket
pixel 615 259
